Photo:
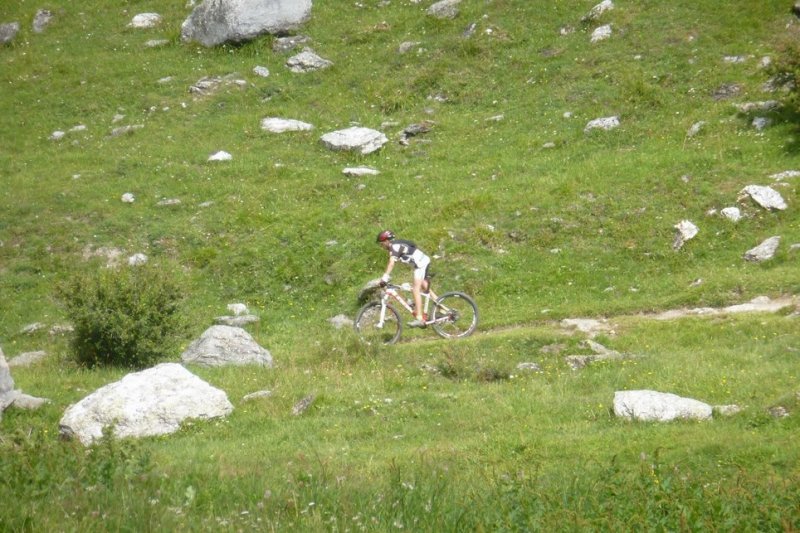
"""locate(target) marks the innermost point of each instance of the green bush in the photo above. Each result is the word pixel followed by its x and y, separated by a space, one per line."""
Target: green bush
pixel 128 317
pixel 785 68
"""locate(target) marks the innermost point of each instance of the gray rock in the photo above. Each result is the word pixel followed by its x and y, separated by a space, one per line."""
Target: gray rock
pixel 287 44
pixel 356 139
pixel 8 32
pixel 27 359
pixel 696 128
pixel 215 22
pixel 357 172
pixel 29 403
pixel 766 197
pixel 341 322
pixel 647 405
pixel 444 9
pixel 145 21
pixel 226 345
pixel 303 405
pixel 529 367
pixel 281 125
pixel 42 20
pixel 238 321
pixel 686 230
pixel 307 61
pixel 602 33
pixel 785 175
pixel 764 251
pixel 605 124
pixel 733 214
pixel 257 395
pixel 597 11
pixel 155 401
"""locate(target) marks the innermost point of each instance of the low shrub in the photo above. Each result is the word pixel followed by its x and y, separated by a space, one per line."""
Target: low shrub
pixel 128 317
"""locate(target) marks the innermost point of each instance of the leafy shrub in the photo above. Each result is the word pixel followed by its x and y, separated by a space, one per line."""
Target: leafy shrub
pixel 128 317
pixel 785 68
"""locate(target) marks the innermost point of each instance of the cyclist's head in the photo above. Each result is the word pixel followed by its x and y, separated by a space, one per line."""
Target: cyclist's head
pixel 385 236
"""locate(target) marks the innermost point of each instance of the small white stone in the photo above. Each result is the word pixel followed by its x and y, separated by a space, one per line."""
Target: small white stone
pixel 221 156
pixel 128 198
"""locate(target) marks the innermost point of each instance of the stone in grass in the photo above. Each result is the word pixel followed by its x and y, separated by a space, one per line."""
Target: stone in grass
pixel 764 251
pixel 653 406
pixel 356 139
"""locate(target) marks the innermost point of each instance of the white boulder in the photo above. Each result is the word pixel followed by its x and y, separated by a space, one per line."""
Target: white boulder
pixel 151 402
pixel 357 139
pixel 226 345
pixel 652 406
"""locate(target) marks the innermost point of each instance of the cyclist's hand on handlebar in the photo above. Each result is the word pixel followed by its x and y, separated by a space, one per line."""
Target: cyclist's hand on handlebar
pixel 383 283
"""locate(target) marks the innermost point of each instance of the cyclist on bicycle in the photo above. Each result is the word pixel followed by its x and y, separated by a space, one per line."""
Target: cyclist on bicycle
pixel 407 252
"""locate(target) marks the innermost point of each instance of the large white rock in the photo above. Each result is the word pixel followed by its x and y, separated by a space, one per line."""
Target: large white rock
pixel 216 22
pixel 226 345
pixel 151 402
pixel 359 139
pixel 604 123
pixel 648 405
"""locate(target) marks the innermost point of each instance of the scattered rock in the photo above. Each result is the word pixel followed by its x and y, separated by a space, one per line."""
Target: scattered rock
pixel 589 326
pixel 216 22
pixel 602 33
pixel 238 309
pixel 303 405
pixel 761 123
pixel 262 72
pixel 257 395
pixel 124 130
pixel 307 61
pixel 27 359
pixel 221 156
pixel 529 367
pixel 137 259
pixel 764 251
pixel 145 21
pixel 605 124
pixel 289 43
pixel 155 401
pixel 8 32
pixel 127 198
pixel 778 412
pixel 210 84
pixel 726 90
pixel 695 129
pixel 42 20
pixel 356 172
pixel 357 139
pixel 597 11
pixel 766 197
pixel 282 125
pixel 226 345
pixel 341 322
pixel 733 214
pixel 169 202
pixel 647 405
pixel 32 328
pixel 686 231
pixel 785 175
pixel 406 46
pixel 157 43
pixel 444 9
pixel 61 329
pixel 760 107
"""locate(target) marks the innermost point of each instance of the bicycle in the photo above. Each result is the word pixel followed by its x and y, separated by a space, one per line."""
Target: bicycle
pixel 452 315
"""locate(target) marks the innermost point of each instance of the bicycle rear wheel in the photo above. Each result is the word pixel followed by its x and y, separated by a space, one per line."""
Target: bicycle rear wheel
pixel 455 315
pixel 368 321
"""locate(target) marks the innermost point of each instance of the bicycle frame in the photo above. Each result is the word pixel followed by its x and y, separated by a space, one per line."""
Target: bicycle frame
pixel 395 292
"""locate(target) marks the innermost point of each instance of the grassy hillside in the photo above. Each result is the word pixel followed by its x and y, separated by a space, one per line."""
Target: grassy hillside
pixel 536 218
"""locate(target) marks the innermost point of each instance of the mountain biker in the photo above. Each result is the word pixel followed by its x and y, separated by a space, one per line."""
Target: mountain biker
pixel 407 252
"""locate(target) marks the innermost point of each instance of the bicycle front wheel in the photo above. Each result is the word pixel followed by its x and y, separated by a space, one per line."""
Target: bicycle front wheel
pixel 369 328
pixel 455 315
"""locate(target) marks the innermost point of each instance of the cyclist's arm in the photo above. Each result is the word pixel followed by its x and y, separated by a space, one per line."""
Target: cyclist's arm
pixel 386 276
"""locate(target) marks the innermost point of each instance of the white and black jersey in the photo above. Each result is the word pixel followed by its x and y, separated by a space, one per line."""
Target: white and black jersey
pixel 408 253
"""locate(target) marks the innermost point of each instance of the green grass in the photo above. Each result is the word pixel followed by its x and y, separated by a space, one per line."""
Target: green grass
pixel 535 234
